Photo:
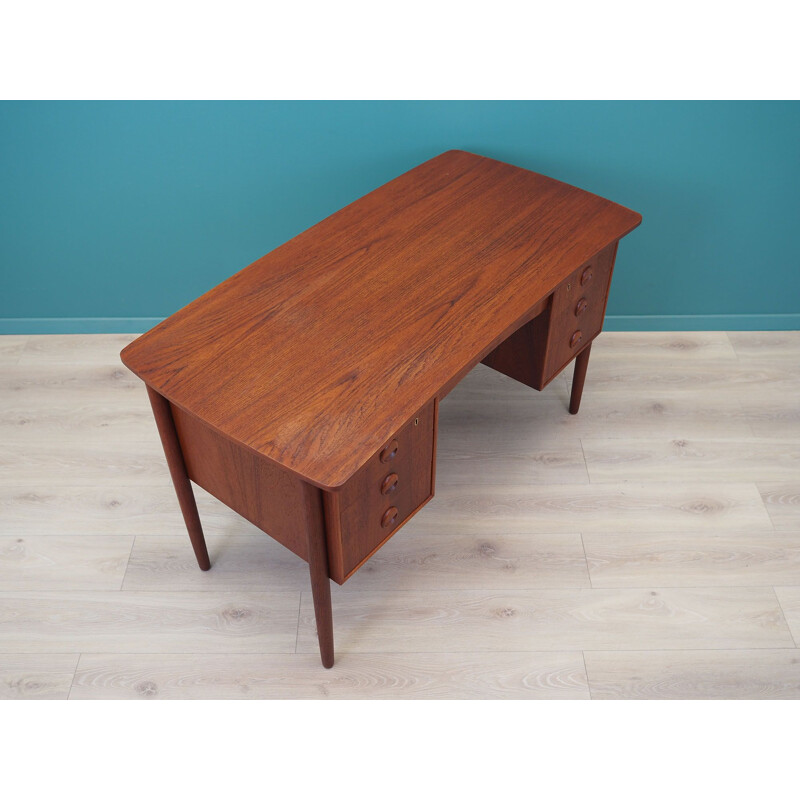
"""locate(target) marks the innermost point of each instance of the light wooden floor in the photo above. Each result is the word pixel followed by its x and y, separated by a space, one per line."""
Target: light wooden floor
pixel 647 548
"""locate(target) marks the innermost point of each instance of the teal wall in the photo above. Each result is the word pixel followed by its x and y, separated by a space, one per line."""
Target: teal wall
pixel 115 214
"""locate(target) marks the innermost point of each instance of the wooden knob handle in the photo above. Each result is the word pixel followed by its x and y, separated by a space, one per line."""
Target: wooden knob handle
pixel 389 517
pixel 389 483
pixel 586 276
pixel 575 338
pixel 581 306
pixel 390 451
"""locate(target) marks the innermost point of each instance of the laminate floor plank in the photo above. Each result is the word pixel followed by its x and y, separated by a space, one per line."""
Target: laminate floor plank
pixel 63 562
pixel 789 598
pixel 90 421
pixel 108 463
pixel 67 382
pixel 26 676
pixel 766 345
pixel 75 348
pixel 734 460
pixel 551 619
pixel 480 457
pixel 695 675
pixel 598 507
pixel 693 559
pixel 414 560
pixel 492 412
pixel 103 510
pixel 148 622
pixel 239 562
pixel 770 416
pixel 676 489
pixel 782 501
pixel 401 676
pixel 670 346
pixel 729 379
pixel 11 348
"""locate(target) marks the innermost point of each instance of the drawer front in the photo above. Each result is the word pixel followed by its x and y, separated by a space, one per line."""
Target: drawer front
pixel 384 493
pixel 577 311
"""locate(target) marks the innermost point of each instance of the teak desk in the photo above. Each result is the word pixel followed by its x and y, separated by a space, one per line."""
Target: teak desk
pixel 303 391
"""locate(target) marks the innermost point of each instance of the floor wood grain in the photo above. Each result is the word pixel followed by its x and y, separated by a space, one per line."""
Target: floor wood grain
pixel 11 348
pixel 148 622
pixel 782 501
pixel 240 562
pixel 75 348
pixel 693 459
pixel 596 508
pixel 693 559
pixel 391 676
pixel 36 677
pixel 551 619
pixel 695 675
pixel 108 509
pixel 653 538
pixel 789 598
pixel 63 562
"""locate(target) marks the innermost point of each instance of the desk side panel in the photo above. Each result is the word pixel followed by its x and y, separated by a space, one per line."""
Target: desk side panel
pixel 264 494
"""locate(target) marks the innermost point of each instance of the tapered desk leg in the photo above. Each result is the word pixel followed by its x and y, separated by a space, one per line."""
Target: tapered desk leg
pixel 180 480
pixel 581 363
pixel 320 579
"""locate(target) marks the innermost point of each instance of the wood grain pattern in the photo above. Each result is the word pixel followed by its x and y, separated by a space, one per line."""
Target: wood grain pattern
pixel 693 559
pixel 783 345
pixel 23 463
pixel 695 675
pixel 242 562
pixel 362 506
pixel 74 348
pixel 486 404
pixel 789 598
pixel 552 619
pixel 435 242
pixel 267 496
pixel 395 676
pixel 670 346
pixel 494 454
pixel 148 622
pixel 11 348
pixel 783 504
pixel 28 676
pixel 597 508
pixel 415 560
pixel 101 509
pixel 611 460
pixel 63 562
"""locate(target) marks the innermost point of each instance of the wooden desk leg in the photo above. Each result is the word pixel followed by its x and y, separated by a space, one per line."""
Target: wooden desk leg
pixel 318 568
pixel 180 480
pixel 581 363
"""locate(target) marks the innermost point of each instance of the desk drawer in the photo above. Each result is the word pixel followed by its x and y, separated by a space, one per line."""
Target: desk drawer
pixel 577 311
pixel 382 495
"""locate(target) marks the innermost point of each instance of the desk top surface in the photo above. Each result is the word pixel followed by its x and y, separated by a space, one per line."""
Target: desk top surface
pixel 315 354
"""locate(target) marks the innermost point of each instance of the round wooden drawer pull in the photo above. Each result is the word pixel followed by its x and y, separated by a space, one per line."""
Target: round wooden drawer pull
pixel 390 451
pixel 586 276
pixel 581 306
pixel 389 517
pixel 389 483
pixel 575 339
